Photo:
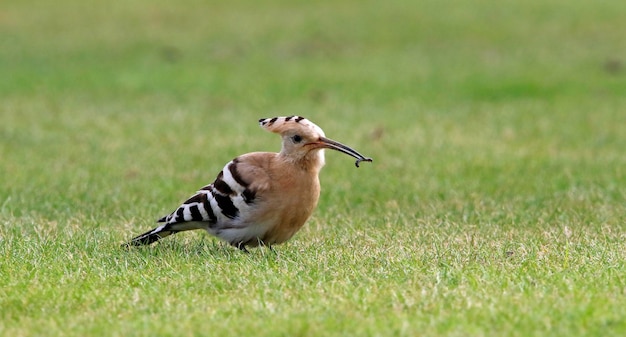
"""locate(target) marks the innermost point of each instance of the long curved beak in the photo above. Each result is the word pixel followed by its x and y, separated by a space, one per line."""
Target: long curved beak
pixel 333 145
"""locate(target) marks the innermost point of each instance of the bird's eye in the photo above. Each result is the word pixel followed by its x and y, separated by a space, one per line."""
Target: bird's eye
pixel 297 138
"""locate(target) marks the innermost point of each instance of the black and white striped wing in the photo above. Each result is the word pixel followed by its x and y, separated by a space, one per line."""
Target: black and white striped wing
pixel 221 202
pixel 196 208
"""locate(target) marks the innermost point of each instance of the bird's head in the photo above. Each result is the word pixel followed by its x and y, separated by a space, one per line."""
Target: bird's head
pixel 303 141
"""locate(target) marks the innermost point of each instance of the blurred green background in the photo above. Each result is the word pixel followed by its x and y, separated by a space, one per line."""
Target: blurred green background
pixel 118 88
pixel 497 129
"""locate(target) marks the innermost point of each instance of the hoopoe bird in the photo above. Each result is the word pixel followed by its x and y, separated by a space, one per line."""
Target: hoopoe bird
pixel 259 198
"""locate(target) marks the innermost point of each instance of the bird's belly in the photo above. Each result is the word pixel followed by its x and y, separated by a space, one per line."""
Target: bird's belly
pixel 247 235
pixel 257 230
pixel 285 227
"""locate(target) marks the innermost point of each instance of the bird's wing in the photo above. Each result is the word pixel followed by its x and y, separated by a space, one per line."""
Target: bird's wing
pixel 235 189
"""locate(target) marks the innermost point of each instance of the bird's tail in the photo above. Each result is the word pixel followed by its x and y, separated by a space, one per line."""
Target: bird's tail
pixel 151 236
pixel 162 231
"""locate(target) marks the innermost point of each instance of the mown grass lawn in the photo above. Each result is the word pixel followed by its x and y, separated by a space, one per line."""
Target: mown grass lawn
pixel 496 204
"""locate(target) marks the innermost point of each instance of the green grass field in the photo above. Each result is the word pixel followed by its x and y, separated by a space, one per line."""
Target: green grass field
pixel 496 204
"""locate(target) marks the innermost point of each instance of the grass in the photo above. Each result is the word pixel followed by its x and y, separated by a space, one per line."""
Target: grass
pixel 495 205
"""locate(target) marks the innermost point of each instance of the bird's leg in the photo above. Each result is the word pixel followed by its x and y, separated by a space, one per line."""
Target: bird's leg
pixel 268 245
pixel 241 246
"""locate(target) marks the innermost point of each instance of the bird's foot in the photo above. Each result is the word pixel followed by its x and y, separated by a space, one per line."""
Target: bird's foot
pixel 242 247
